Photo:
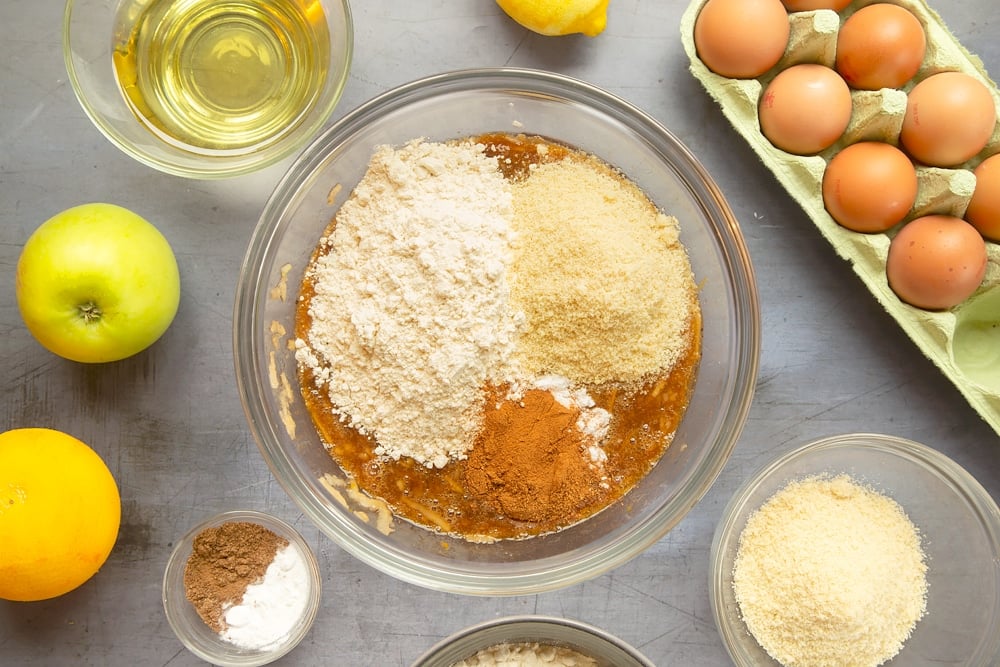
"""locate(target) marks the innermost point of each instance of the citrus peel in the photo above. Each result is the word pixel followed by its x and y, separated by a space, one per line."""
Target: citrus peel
pixel 558 17
pixel 60 512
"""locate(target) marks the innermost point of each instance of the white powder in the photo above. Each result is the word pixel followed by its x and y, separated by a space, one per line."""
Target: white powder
pixel 271 607
pixel 411 306
pixel 527 655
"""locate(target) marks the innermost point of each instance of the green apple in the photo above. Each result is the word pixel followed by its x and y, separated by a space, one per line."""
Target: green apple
pixel 97 283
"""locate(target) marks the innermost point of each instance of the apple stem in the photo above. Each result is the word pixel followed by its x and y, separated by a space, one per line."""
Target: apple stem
pixel 90 312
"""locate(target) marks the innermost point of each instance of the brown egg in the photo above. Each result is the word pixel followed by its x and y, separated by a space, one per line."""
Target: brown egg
pixel 880 46
pixel 869 186
pixel 984 208
pixel 805 109
pixel 741 39
pixel 809 5
pixel 949 118
pixel 936 262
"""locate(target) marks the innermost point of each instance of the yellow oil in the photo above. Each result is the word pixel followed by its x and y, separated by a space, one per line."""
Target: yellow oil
pixel 230 76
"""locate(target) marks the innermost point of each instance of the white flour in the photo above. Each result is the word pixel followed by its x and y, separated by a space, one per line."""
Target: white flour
pixel 412 305
pixel 527 655
pixel 271 607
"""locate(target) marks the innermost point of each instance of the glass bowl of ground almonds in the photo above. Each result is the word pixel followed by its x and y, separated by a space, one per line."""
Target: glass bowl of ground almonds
pixel 496 331
pixel 858 550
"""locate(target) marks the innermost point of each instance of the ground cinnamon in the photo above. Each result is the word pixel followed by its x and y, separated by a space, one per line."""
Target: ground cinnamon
pixel 225 560
pixel 531 461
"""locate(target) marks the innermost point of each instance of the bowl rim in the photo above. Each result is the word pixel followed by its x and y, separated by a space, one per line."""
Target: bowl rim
pixel 252 286
pixel 924 456
pixel 540 620
pixel 218 167
pixel 252 658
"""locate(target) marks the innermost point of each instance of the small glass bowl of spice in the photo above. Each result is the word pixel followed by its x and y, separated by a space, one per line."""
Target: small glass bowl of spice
pixel 858 549
pixel 241 588
pixel 532 640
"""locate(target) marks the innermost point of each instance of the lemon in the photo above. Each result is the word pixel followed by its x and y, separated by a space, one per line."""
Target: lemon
pixel 558 17
pixel 59 513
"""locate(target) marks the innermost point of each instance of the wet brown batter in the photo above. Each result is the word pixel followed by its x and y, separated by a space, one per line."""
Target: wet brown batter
pixel 643 422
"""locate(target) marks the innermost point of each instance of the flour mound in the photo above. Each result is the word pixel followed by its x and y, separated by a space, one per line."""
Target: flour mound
pixel 411 303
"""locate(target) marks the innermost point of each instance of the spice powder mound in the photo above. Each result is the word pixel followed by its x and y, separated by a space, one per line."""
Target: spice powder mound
pixel 528 462
pixel 225 560
pixel 497 336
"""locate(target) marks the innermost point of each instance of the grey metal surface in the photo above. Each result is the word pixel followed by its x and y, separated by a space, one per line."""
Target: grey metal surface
pixel 169 421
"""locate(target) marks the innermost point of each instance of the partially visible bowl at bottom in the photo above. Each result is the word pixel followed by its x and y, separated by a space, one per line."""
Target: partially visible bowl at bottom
pixel 587 640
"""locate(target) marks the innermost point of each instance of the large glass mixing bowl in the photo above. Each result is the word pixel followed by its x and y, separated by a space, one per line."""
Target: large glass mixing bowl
pixel 454 105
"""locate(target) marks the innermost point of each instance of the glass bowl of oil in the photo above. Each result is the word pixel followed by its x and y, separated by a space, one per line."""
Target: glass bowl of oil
pixel 450 106
pixel 208 88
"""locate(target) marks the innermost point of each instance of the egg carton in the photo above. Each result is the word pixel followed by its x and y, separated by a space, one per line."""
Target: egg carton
pixel 964 341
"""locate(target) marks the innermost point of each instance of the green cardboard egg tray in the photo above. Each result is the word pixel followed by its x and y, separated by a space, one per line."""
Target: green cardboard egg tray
pixel 964 341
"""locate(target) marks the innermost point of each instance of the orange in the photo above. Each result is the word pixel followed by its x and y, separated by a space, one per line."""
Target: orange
pixel 59 513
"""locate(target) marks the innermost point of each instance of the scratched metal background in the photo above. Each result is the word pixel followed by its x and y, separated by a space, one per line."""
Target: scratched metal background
pixel 169 421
